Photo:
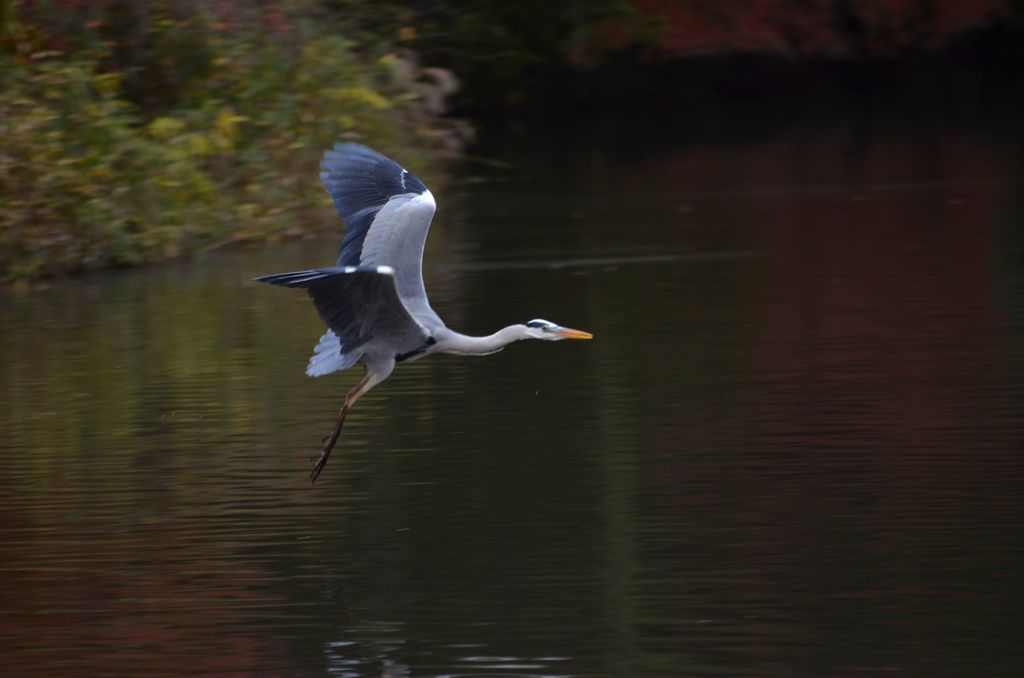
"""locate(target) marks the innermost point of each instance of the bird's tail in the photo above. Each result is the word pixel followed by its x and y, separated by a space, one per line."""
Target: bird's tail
pixel 327 357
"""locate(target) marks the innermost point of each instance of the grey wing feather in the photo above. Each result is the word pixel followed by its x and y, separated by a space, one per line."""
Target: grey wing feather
pixel 358 305
pixel 387 212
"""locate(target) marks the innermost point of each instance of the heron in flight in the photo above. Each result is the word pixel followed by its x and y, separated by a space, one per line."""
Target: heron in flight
pixel 373 301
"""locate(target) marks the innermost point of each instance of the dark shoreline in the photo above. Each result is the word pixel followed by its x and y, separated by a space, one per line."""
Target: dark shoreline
pixel 979 67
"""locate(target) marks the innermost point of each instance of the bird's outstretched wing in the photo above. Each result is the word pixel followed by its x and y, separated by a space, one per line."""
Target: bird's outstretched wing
pixel 358 304
pixel 387 212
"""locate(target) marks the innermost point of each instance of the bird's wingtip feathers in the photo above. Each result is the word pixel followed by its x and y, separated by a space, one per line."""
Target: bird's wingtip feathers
pixel 304 278
pixel 294 279
pixel 342 146
pixel 347 149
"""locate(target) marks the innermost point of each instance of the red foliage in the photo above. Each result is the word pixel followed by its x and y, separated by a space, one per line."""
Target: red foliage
pixel 822 28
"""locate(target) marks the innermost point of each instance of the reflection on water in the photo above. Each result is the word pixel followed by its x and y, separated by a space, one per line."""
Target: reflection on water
pixel 380 649
pixel 793 448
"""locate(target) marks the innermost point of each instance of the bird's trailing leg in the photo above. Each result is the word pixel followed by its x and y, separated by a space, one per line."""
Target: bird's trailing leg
pixel 350 399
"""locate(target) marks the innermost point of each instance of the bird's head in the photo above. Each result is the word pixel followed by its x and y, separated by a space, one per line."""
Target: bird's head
pixel 545 329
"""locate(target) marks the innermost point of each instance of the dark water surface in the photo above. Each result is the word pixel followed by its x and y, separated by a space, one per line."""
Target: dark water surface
pixel 794 447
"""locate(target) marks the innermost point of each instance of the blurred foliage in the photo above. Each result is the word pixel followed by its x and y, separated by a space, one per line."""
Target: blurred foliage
pixel 99 167
pixel 499 48
pixel 82 182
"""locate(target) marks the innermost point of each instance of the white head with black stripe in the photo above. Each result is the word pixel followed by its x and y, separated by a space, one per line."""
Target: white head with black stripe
pixel 545 329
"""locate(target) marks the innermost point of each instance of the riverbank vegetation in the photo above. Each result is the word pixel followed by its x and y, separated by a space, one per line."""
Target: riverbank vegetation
pixel 169 132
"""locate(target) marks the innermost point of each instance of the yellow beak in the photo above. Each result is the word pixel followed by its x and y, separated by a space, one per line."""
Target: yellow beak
pixel 566 333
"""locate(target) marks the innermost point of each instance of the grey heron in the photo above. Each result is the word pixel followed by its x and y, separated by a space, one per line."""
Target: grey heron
pixel 373 300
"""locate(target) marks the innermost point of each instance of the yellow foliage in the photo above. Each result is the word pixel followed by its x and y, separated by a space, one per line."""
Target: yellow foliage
pixel 358 95
pixel 227 124
pixel 164 128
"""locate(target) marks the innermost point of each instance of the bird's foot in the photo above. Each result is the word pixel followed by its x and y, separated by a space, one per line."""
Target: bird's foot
pixel 321 461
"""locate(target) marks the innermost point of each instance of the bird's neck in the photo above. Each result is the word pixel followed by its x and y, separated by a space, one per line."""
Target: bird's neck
pixel 462 344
